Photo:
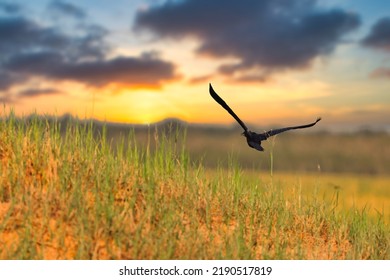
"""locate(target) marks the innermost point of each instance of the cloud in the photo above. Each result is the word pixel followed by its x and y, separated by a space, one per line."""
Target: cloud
pixel 253 78
pixel 269 35
pixel 19 34
pixel 200 79
pixel 131 71
pixel 4 99
pixel 33 92
pixel 65 9
pixel 31 50
pixel 9 7
pixel 381 72
pixel 145 70
pixel 379 36
pixel 6 80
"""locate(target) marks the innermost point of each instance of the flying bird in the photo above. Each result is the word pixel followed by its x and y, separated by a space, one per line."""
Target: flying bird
pixel 254 139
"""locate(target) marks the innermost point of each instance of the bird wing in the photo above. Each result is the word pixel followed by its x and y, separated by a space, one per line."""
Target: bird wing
pixel 280 130
pixel 226 107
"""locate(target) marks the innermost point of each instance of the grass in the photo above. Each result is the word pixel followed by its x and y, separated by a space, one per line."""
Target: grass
pixel 69 193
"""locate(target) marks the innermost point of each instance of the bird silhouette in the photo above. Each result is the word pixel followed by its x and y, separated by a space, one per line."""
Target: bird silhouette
pixel 254 139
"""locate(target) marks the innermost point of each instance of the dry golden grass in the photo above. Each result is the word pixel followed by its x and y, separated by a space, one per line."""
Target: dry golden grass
pixel 76 197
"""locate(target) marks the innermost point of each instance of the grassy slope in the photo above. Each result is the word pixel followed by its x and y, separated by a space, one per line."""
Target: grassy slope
pixel 76 197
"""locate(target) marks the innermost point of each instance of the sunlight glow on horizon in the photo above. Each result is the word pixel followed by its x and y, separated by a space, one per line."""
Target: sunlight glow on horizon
pixel 109 69
pixel 260 105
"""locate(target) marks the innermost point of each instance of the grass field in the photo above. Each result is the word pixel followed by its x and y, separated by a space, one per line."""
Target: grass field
pixel 68 192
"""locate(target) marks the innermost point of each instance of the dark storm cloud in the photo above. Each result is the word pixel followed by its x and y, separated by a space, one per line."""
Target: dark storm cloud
pixel 6 80
pixel 34 62
pixel 9 7
pixel 144 70
pixel 20 34
pixel 63 8
pixel 269 34
pixel 29 49
pixel 379 36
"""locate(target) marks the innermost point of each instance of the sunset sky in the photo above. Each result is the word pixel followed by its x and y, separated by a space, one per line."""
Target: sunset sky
pixel 142 61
